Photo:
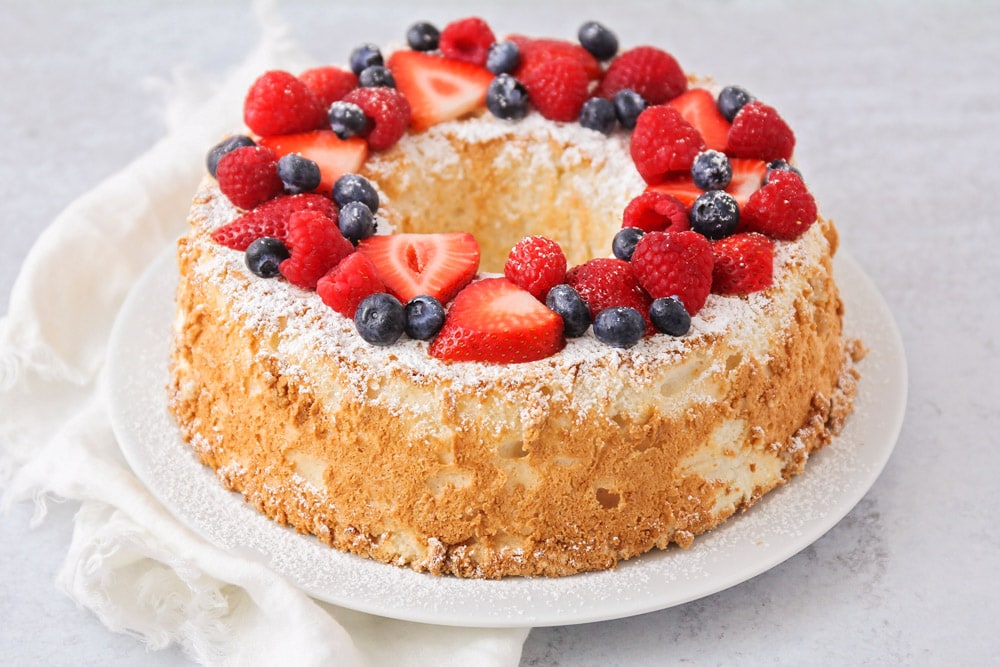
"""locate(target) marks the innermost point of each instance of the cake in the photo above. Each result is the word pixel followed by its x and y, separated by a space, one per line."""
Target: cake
pixel 444 310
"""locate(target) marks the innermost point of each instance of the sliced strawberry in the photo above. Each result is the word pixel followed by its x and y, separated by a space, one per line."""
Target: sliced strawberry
pixel 681 187
pixel 495 321
pixel 438 89
pixel 698 107
pixel 748 176
pixel 335 156
pixel 271 219
pixel 538 50
pixel 414 264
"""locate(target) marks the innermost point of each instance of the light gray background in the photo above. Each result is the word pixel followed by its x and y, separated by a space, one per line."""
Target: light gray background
pixel 895 106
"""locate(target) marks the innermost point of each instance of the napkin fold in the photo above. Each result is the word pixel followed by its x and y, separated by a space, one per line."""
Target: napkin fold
pixel 130 562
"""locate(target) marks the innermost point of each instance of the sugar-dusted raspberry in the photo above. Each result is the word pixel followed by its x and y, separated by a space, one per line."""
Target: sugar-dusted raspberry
pixel 557 88
pixel 468 40
pixel 663 143
pixel 316 246
pixel 279 103
pixel 328 83
pixel 649 71
pixel 271 219
pixel 606 282
pixel 743 263
pixel 248 176
pixel 654 211
pixel 388 111
pixel 759 132
pixel 675 264
pixel 348 284
pixel 782 209
pixel 536 264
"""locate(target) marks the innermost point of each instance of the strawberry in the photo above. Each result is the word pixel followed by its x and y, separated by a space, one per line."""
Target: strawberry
pixel 606 282
pixel 743 263
pixel 536 264
pixel 348 283
pixel 679 186
pixel 783 209
pixel 248 176
pixel 389 113
pixel 557 88
pixel 654 211
pixel 747 177
pixel 414 264
pixel 495 321
pixel 649 71
pixel 271 219
pixel 759 132
pixel 335 156
pixel 537 50
pixel 698 108
pixel 438 89
pixel 467 40
pixel 663 143
pixel 279 103
pixel 329 83
pixel 315 246
pixel 675 264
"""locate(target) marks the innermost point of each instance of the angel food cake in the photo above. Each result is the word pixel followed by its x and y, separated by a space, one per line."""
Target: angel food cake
pixel 492 306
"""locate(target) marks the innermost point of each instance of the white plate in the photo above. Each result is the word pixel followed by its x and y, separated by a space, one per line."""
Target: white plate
pixel 783 523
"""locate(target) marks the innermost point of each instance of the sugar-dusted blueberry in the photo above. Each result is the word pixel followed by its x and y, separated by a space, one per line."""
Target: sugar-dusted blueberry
pixel 424 317
pixel 625 241
pixel 503 57
pixel 376 76
pixel 355 187
pixel 299 174
pixel 423 36
pixel 570 306
pixel 711 170
pixel 780 165
pixel 619 326
pixel 731 99
pixel 380 319
pixel 669 315
pixel 715 214
pixel 347 119
pixel 356 222
pixel 507 98
pixel 628 105
pixel 598 114
pixel 596 38
pixel 226 145
pixel 264 255
pixel 365 56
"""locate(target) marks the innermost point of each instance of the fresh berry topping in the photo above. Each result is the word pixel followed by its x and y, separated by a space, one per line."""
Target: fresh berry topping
pixel 570 306
pixel 711 170
pixel 623 245
pixel 264 255
pixel 424 317
pixel 715 214
pixel 675 263
pixel 349 283
pixel 663 142
pixel 270 219
pixel 279 103
pixel 356 222
pixel 388 114
pixel 364 56
pixel 654 211
pixel 557 88
pixel 507 98
pixel 698 108
pixel 423 36
pixel 649 71
pixel 619 326
pixel 467 40
pixel 354 187
pixel 605 282
pixel 731 100
pixel 380 319
pixel 759 132
pixel 495 321
pixel 628 105
pixel 328 83
pixel 347 120
pixel 503 57
pixel 315 246
pixel 669 316
pixel 299 174
pixel 535 51
pixel 598 40
pixel 748 176
pixel 227 145
pixel 783 209
pixel 414 264
pixel 598 114
pixel 248 176
pixel 438 89
pixel 376 76
pixel 780 165
pixel 335 156
pixel 743 263
pixel 536 264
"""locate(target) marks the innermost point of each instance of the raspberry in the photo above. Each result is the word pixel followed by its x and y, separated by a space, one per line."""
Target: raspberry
pixel 759 132
pixel 663 142
pixel 605 282
pixel 536 264
pixel 316 246
pixel 557 88
pixel 329 84
pixel 743 263
pixel 271 219
pixel 349 283
pixel 675 264
pixel 533 51
pixel 468 40
pixel 649 71
pixel 783 209
pixel 248 176
pixel 278 103
pixel 388 111
pixel 654 211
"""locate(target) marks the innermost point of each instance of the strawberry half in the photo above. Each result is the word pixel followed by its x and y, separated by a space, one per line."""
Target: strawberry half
pixel 698 108
pixel 438 89
pixel 495 321
pixel 335 156
pixel 414 264
pixel 534 51
pixel 748 175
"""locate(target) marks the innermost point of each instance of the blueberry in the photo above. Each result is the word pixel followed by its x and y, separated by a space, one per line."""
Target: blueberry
pixel 264 255
pixel 780 165
pixel 731 100
pixel 380 319
pixel 356 221
pixel 669 315
pixel 711 170
pixel 299 174
pixel 628 105
pixel 226 145
pixel 598 40
pixel 423 36
pixel 570 306
pixel 503 57
pixel 347 119
pixel 619 326
pixel 365 56
pixel 424 317
pixel 625 242
pixel 507 98
pixel 354 187
pixel 715 214
pixel 598 114
pixel 376 76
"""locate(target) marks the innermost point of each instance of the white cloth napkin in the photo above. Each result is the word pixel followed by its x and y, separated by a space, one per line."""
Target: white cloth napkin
pixel 130 562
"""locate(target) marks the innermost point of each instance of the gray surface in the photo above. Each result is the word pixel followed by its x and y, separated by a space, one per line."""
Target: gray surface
pixel 895 109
